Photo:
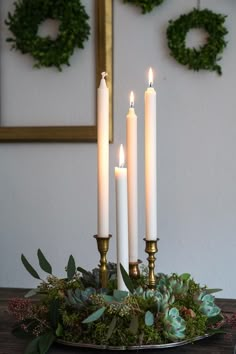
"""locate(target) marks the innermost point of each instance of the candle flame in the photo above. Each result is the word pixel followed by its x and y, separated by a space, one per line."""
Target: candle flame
pixel 150 75
pixel 122 156
pixel 131 99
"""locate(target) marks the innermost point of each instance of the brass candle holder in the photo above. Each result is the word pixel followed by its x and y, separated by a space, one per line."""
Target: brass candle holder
pixel 151 249
pixel 134 271
pixel 103 246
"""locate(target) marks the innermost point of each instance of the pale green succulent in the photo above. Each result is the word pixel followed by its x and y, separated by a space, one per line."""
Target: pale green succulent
pixel 208 306
pixel 174 325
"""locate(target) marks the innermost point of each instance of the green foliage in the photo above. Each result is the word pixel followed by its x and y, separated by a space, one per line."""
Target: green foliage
pixel 146 5
pixel 44 263
pixel 177 309
pixel 41 344
pixel 95 315
pixel 73 30
pixel 127 280
pixel 71 268
pixel 207 56
pixel 29 267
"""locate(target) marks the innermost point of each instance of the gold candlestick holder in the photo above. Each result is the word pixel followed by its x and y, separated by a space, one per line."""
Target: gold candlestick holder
pixel 134 271
pixel 103 247
pixel 151 249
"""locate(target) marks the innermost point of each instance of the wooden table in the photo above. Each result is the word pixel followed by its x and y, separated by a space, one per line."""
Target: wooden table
pixel 217 344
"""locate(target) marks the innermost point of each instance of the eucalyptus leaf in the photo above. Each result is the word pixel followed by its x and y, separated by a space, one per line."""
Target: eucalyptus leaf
pixel 108 298
pixel 54 312
pixel 71 268
pixel 149 318
pixel 83 271
pixel 31 293
pixel 59 330
pixel 111 328
pixel 33 347
pixel 45 342
pixel 44 264
pixel 212 291
pixel 95 315
pixel 127 280
pixel 120 295
pixel 29 267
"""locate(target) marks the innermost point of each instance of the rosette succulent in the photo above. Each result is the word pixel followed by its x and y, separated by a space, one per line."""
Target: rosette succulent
pixel 176 285
pixel 174 325
pixel 80 298
pixel 208 306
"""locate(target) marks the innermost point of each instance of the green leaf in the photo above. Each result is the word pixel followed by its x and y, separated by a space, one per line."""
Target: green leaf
pixel 33 347
pixel 211 291
pixel 133 327
pixel 95 315
pixel 120 295
pixel 111 327
pixel 149 318
pixel 44 263
pixel 127 280
pixel 59 330
pixel 54 312
pixel 71 268
pixel 108 298
pixel 29 267
pixel 31 293
pixel 83 271
pixel 185 276
pixel 45 342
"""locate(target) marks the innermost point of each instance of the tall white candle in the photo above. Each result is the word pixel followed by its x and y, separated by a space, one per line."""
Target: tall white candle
pixel 131 141
pixel 103 157
pixel 150 161
pixel 121 220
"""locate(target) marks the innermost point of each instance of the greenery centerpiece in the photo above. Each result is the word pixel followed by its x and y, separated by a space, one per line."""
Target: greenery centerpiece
pixel 76 309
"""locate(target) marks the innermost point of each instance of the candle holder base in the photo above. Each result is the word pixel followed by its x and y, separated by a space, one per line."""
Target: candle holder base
pixel 151 249
pixel 103 247
pixel 134 271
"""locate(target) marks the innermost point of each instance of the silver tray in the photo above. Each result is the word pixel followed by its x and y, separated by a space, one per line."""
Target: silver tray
pixel 133 347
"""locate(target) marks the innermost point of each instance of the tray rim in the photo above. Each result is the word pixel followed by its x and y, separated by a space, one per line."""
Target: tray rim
pixel 134 347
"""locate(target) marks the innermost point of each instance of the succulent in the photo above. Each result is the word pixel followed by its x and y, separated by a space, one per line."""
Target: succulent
pixel 91 279
pixel 176 285
pixel 208 307
pixel 174 325
pixel 79 298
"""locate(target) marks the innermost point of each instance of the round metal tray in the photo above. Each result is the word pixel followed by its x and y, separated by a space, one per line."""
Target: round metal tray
pixel 133 347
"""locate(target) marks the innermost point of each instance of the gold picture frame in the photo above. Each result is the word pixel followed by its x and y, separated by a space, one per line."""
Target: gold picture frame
pixel 85 133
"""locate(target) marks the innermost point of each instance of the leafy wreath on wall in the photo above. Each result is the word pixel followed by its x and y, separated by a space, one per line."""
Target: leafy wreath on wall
pixel 73 30
pixel 206 56
pixel 146 5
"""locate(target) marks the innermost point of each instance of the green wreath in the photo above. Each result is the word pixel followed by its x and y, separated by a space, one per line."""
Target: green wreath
pixel 29 14
pixel 206 56
pixel 146 5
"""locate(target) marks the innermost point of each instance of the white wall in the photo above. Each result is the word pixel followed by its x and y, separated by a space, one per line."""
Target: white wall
pixel 48 191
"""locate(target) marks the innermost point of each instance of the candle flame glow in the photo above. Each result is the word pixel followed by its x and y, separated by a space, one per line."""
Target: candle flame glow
pixel 131 99
pixel 150 75
pixel 122 156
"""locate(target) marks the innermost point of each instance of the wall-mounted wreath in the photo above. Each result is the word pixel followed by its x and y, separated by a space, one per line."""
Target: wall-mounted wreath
pixel 206 56
pixel 146 5
pixel 73 30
